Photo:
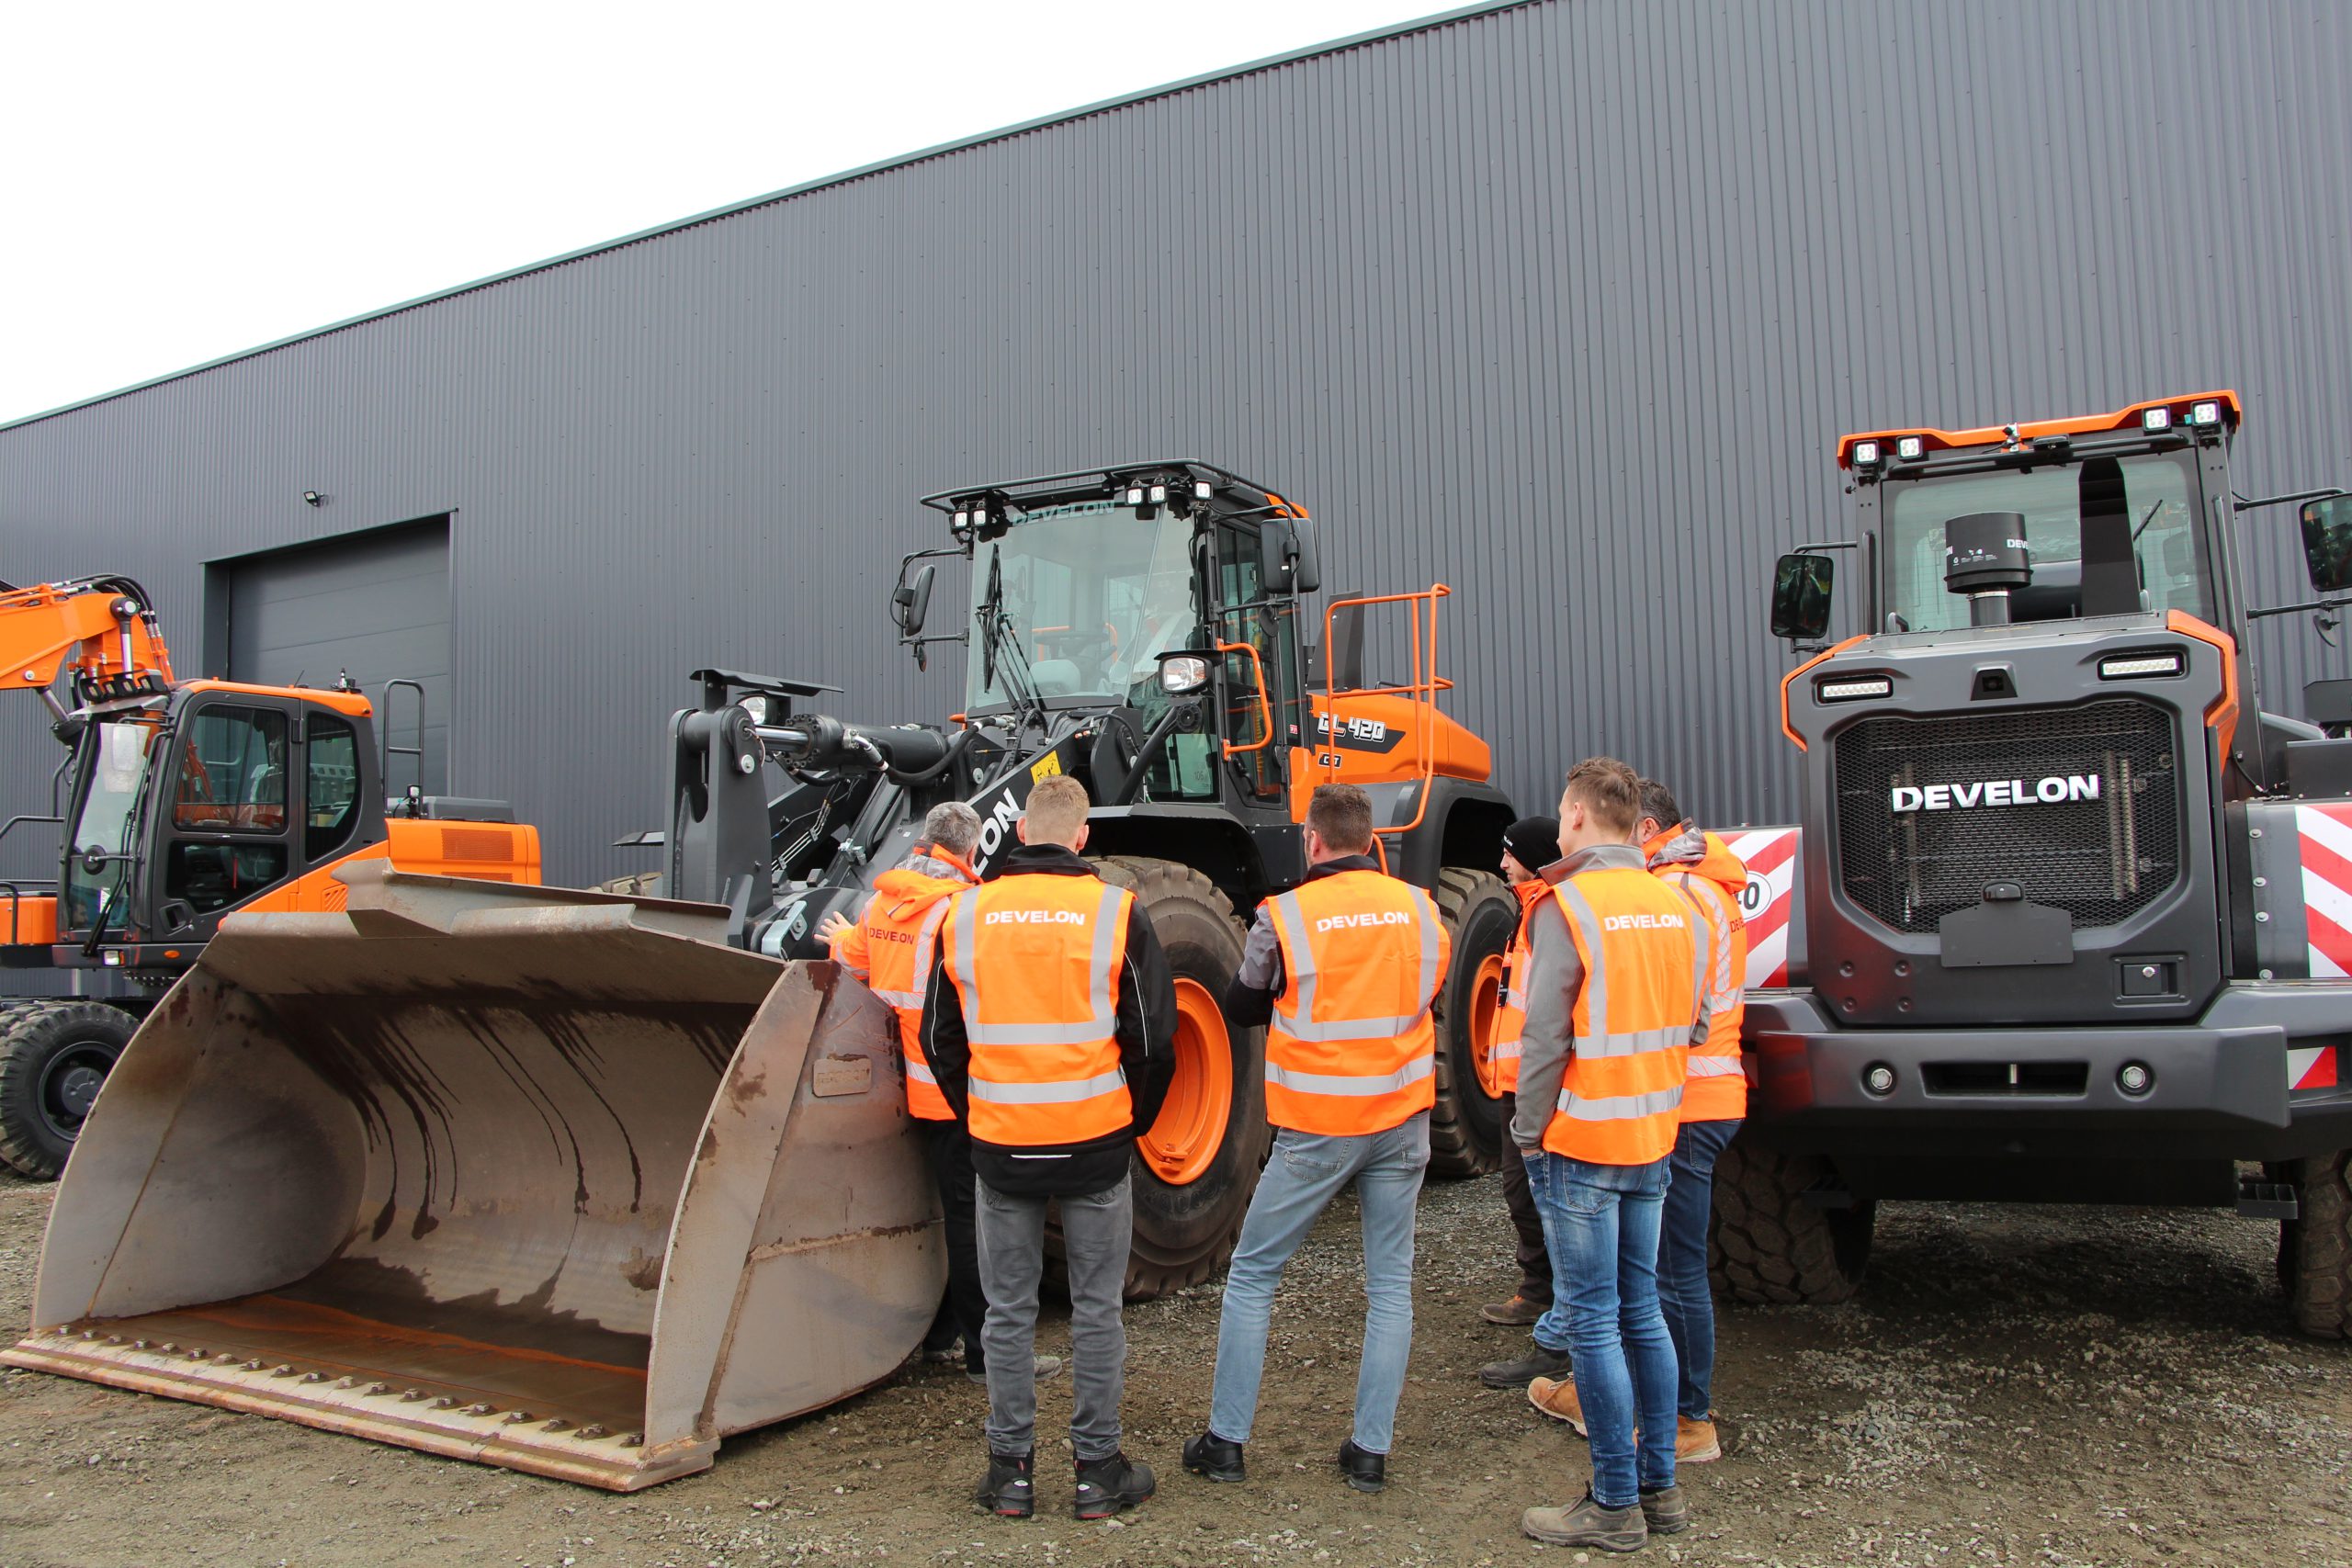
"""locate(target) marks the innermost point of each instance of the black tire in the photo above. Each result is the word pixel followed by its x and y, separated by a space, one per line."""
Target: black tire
pixel 2315 1248
pixel 1467 1126
pixel 10 1012
pixel 1185 1233
pixel 54 1057
pixel 1767 1245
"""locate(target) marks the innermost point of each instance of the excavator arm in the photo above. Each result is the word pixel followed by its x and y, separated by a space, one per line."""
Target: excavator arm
pixel 101 630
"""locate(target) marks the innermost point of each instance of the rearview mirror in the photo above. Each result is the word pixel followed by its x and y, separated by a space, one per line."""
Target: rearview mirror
pixel 2327 542
pixel 911 601
pixel 1801 586
pixel 1277 557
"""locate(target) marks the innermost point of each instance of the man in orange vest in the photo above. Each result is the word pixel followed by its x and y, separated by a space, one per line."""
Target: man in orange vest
pixel 891 947
pixel 1618 967
pixel 1528 843
pixel 1714 1098
pixel 1049 1023
pixel 1342 971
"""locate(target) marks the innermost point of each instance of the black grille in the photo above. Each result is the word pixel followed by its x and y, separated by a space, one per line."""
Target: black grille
pixel 2100 860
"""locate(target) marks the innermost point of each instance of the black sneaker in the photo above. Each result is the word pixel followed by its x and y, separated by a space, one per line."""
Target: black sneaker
pixel 1366 1471
pixel 1211 1456
pixel 1537 1363
pixel 1108 1486
pixel 1009 1487
pixel 1666 1511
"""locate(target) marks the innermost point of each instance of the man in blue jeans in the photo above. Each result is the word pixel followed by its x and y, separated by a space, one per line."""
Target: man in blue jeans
pixel 1714 1098
pixel 1617 964
pixel 1342 971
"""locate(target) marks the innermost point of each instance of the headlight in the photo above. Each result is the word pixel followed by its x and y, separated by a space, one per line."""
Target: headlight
pixel 1182 674
pixel 2140 666
pixel 1854 688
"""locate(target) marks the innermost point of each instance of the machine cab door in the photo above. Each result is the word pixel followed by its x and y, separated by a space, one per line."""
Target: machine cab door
pixel 1258 641
pixel 228 810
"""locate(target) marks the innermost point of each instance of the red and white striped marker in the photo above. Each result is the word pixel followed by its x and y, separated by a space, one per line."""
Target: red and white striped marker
pixel 2323 835
pixel 1767 900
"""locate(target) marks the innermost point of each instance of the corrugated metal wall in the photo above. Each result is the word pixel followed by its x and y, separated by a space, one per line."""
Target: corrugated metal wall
pixel 1565 304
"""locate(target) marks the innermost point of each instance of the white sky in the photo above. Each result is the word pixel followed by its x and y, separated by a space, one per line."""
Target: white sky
pixel 178 182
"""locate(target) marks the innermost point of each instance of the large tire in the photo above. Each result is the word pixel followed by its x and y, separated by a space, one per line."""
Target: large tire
pixel 54 1057
pixel 2316 1247
pixel 1467 1126
pixel 1194 1173
pixel 1767 1245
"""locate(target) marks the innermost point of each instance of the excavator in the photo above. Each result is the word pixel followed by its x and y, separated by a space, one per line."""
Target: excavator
pixel 581 1182
pixel 178 803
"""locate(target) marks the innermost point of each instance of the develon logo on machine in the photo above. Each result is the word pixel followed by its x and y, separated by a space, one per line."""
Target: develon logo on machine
pixel 2055 790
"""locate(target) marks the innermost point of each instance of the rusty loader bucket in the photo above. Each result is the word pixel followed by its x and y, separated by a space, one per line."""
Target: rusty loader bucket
pixel 548 1179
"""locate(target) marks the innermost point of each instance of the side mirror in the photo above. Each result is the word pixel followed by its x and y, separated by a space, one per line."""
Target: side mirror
pixel 1277 557
pixel 1182 674
pixel 2328 543
pixel 1308 572
pixel 1800 587
pixel 95 860
pixel 911 601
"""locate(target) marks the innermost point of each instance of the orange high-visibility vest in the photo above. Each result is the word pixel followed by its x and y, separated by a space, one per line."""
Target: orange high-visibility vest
pixel 1510 1011
pixel 1351 1049
pixel 1717 1087
pixel 1621 1101
pixel 891 949
pixel 1035 959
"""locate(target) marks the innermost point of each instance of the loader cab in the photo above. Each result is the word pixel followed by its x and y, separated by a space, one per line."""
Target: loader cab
pixel 1158 608
pixel 189 808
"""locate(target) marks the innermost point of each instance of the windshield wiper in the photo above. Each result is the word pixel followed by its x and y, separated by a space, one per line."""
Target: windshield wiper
pixel 999 638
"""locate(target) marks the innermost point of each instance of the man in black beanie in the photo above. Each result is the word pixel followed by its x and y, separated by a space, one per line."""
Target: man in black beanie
pixel 1529 845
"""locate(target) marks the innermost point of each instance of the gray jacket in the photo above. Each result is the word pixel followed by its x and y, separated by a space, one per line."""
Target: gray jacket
pixel 1555 978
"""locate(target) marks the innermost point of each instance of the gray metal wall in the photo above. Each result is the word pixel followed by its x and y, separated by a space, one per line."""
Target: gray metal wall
pixel 1565 304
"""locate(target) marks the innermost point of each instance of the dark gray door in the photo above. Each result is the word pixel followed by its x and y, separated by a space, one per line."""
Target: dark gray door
pixel 376 605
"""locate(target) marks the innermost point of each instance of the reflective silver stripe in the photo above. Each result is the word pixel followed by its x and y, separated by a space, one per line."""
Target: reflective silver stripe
pixel 1062 1093
pixel 1632 1042
pixel 1298 1019
pixel 910 1001
pixel 1720 986
pixel 1621 1107
pixel 1703 1066
pixel 918 1073
pixel 926 944
pixel 1105 1021
pixel 1410 1073
pixel 1596 980
pixel 1508 1051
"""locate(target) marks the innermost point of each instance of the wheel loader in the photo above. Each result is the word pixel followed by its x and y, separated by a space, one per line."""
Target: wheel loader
pixel 2072 913
pixel 178 803
pixel 581 1182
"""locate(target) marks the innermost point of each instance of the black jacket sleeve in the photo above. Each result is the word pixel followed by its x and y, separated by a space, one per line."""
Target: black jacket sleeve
pixel 1147 1029
pixel 943 1040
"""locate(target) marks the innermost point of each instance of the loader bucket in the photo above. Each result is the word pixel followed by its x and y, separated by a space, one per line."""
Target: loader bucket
pixel 548 1179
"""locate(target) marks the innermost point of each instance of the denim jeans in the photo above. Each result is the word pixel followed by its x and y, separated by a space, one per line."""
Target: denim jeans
pixel 1601 1221
pixel 1097 1231
pixel 1306 1172
pixel 1682 1287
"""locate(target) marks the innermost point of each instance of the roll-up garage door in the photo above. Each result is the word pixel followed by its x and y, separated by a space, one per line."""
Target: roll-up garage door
pixel 376 605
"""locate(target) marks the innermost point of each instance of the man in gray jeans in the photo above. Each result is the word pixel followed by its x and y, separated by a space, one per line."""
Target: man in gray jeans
pixel 1342 970
pixel 1049 1023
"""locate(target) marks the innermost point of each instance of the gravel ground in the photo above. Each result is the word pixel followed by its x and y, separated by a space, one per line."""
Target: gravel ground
pixel 2061 1386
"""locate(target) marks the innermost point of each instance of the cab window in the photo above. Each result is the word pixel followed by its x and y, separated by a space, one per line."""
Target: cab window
pixel 330 788
pixel 232 772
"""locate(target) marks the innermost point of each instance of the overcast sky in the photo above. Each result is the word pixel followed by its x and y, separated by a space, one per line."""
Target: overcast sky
pixel 179 182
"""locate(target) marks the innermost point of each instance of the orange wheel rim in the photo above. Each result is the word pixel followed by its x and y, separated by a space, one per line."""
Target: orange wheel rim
pixel 1184 1142
pixel 1485 1008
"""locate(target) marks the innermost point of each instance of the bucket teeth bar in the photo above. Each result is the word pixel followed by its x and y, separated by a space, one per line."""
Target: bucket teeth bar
pixel 546 1179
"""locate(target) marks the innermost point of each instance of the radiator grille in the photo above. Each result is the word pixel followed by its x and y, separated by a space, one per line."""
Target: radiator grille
pixel 2100 860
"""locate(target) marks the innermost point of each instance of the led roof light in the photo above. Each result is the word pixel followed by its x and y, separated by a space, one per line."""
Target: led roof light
pixel 1200 490
pixel 1135 495
pixel 1865 454
pixel 1911 448
pixel 2155 419
pixel 2206 413
pixel 1159 494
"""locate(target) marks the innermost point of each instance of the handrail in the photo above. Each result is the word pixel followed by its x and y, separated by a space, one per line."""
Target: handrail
pixel 1423 689
pixel 1265 708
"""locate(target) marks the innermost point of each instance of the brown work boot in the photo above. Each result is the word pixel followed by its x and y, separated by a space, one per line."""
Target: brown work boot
pixel 1696 1443
pixel 1666 1511
pixel 1556 1397
pixel 1588 1524
pixel 1516 1313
